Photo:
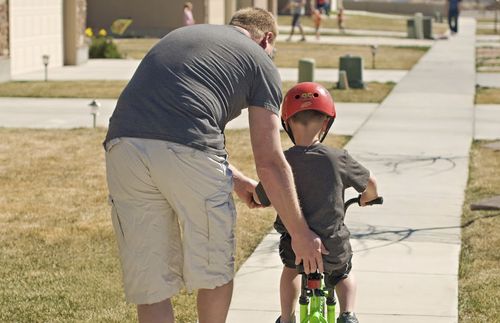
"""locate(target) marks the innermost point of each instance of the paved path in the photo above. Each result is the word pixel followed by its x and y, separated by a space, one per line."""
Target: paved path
pixel 123 69
pixel 406 252
pixel 72 113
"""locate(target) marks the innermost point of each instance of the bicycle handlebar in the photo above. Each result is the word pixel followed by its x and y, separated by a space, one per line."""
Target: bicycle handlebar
pixel 378 200
pixel 264 200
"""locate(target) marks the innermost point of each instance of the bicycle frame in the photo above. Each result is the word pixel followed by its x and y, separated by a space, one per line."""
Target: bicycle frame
pixel 315 299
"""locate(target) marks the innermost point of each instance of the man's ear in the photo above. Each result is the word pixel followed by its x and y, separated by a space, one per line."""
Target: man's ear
pixel 267 39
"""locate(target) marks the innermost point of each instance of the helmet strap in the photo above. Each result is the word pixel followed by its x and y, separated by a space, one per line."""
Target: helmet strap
pixel 288 130
pixel 330 122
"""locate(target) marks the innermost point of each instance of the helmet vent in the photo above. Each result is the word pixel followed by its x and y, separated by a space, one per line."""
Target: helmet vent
pixel 297 97
pixel 316 95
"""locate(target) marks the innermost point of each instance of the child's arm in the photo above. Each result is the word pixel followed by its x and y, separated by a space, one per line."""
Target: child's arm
pixel 370 192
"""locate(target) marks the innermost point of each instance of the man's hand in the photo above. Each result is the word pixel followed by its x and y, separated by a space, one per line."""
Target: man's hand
pixel 309 251
pixel 244 187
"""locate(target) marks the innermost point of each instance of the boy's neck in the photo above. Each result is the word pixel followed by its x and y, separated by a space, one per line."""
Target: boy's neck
pixel 306 141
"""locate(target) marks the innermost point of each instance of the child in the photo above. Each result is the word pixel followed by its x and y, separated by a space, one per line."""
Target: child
pixel 317 21
pixel 188 14
pixel 321 175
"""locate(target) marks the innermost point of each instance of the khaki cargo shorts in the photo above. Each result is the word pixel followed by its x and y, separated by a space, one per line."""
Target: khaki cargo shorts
pixel 173 216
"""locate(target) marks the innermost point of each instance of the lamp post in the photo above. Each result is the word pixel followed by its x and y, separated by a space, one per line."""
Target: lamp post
pixel 374 52
pixel 94 110
pixel 45 60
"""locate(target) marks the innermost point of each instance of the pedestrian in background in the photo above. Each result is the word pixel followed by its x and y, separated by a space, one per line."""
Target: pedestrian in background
pixel 297 9
pixel 188 14
pixel 316 15
pixel 453 12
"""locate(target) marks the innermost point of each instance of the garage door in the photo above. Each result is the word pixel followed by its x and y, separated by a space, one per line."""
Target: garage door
pixel 35 30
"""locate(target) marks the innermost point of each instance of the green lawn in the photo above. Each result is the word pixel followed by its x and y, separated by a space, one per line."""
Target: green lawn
pixel 326 55
pixel 479 272
pixel 363 22
pixel 57 248
pixel 485 95
pixel 374 92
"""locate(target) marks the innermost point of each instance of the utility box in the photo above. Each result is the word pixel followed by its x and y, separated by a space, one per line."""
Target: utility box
pixel 306 70
pixel 353 66
pixel 427 24
pixel 426 28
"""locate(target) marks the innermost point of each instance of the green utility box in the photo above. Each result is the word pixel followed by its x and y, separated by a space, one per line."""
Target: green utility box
pixel 426 25
pixel 306 70
pixel 353 66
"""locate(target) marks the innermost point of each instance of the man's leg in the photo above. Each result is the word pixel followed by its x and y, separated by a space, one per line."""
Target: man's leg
pixel 213 304
pixel 161 312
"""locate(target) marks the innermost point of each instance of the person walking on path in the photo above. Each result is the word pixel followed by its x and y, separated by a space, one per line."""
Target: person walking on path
pixel 453 13
pixel 168 176
pixel 317 22
pixel 297 9
pixel 322 174
pixel 188 14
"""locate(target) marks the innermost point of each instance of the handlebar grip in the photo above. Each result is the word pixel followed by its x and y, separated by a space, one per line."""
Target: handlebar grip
pixel 378 200
pixel 261 194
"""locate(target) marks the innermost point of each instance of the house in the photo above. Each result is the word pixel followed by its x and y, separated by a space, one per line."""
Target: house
pixel 155 18
pixel 30 29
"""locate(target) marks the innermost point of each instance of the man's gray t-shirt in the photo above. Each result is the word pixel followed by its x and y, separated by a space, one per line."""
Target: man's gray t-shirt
pixel 322 174
pixel 194 81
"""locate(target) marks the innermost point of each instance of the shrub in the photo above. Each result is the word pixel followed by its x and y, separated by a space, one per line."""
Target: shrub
pixel 102 46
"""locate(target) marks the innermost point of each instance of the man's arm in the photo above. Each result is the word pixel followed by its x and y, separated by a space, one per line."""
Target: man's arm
pixel 244 187
pixel 277 179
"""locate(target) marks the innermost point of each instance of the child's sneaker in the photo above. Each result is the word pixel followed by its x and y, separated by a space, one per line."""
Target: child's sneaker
pixel 347 317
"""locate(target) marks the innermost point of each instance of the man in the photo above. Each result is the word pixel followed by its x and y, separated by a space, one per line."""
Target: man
pixel 169 181
pixel 453 13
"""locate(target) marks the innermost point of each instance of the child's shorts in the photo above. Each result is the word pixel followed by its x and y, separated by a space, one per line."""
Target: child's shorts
pixel 288 258
pixel 173 216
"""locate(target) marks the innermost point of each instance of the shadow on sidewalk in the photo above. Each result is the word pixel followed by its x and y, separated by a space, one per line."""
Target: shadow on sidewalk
pixel 395 236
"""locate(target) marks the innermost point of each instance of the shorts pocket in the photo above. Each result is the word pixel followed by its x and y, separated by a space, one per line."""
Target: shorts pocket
pixel 117 223
pixel 221 215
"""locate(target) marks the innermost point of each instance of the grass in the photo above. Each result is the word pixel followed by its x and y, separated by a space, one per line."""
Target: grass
pixel 374 92
pixel 485 95
pixel 327 55
pixel 488 59
pixel 135 48
pixel 57 249
pixel 362 22
pixel 63 89
pixel 479 272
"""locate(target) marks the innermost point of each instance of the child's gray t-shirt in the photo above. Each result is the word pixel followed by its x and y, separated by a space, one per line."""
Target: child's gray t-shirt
pixel 191 83
pixel 321 176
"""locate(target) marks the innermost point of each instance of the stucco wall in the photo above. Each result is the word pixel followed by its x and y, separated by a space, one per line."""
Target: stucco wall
pixel 158 17
pixel 4 28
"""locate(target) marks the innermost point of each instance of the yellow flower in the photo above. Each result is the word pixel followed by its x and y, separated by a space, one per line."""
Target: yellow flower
pixel 88 32
pixel 103 33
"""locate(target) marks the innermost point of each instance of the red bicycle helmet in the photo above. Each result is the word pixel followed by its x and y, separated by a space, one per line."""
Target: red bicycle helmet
pixel 307 96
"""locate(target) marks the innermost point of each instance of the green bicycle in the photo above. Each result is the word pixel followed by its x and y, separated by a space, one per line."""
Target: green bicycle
pixel 317 302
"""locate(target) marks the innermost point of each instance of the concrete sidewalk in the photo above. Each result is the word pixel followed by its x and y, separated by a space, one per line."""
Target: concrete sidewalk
pixel 74 113
pixel 123 69
pixel 406 252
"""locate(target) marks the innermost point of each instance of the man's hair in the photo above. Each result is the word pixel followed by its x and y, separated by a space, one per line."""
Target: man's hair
pixel 304 117
pixel 256 21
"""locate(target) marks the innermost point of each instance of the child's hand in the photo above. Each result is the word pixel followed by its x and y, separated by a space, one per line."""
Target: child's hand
pixel 256 198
